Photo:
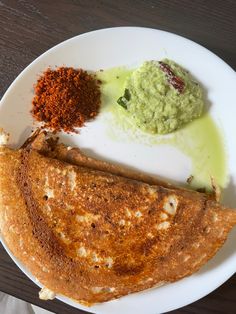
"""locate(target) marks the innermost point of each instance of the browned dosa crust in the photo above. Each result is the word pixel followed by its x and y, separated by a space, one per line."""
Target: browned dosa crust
pixel 94 236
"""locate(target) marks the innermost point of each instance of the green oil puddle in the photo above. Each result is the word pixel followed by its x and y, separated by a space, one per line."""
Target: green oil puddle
pixel 200 140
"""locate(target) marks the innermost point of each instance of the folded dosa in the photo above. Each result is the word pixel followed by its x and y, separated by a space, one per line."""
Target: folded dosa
pixel 95 235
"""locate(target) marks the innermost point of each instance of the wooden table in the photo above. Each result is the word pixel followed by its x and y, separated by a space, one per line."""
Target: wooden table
pixel 28 28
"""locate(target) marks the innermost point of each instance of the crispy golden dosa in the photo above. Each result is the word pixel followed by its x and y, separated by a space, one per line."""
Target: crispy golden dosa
pixel 95 236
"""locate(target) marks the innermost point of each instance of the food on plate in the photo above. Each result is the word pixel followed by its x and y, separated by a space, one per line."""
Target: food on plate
pixel 65 98
pixel 207 153
pixel 160 97
pixel 48 145
pixel 94 236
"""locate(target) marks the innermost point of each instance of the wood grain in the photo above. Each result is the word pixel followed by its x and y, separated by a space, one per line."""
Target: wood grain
pixel 29 28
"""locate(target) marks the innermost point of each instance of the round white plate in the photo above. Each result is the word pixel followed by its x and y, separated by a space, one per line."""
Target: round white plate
pixel 130 46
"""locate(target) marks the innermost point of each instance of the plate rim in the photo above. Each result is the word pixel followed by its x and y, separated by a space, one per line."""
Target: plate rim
pixel 110 29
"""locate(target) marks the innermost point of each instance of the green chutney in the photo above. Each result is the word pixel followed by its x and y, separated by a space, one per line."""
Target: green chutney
pixel 161 97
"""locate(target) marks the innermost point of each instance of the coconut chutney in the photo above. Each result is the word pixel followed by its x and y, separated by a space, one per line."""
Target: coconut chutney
pixel 160 97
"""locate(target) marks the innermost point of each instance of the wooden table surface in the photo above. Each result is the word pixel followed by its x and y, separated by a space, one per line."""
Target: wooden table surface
pixel 29 28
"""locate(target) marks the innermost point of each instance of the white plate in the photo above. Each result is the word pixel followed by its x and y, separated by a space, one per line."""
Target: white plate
pixel 128 46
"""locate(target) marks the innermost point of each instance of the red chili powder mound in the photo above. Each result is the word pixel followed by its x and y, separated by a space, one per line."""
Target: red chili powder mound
pixel 66 98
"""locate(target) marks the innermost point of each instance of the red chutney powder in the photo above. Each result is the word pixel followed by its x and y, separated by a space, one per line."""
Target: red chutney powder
pixel 66 98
